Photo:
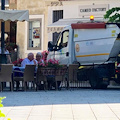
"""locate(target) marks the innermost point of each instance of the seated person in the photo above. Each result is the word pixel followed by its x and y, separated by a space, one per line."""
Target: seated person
pixel 39 58
pixel 29 60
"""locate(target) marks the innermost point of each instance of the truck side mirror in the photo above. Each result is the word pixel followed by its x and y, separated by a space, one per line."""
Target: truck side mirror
pixel 50 46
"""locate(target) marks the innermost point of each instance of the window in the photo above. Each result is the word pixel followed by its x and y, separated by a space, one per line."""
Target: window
pixel 63 39
pixel 35 35
pixel 59 40
pixel 58 14
pixel 65 36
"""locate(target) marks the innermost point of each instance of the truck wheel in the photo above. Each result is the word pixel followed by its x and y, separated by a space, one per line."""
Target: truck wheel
pixel 94 81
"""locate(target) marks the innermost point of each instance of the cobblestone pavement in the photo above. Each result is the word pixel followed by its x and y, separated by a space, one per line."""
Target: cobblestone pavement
pixel 81 104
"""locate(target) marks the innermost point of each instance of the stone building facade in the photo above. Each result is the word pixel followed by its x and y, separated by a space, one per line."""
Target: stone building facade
pixel 33 36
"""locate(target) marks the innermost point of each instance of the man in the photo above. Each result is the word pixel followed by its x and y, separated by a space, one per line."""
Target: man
pixel 29 60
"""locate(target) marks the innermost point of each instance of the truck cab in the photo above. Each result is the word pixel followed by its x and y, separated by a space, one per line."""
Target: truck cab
pixel 63 49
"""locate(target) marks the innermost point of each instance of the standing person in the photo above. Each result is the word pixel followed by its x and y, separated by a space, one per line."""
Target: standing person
pixel 29 60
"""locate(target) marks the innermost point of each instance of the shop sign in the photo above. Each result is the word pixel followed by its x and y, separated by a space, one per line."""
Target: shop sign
pixel 93 9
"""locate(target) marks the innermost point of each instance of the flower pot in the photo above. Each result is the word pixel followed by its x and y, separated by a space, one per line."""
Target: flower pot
pixel 60 71
pixel 47 71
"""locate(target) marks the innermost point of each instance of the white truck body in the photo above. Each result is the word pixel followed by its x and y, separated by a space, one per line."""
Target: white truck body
pixel 87 45
pixel 96 45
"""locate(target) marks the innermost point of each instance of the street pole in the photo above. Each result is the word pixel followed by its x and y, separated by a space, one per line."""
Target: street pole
pixel 3 56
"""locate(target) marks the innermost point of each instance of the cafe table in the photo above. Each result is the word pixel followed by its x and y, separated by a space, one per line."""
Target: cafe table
pixel 18 68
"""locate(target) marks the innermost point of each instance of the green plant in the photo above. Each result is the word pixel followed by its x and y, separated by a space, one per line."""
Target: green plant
pixel 113 14
pixel 18 62
pixel 44 55
pixel 1 105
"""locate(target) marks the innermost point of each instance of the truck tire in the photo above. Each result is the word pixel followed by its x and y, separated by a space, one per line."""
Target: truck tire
pixel 94 80
pixel 99 77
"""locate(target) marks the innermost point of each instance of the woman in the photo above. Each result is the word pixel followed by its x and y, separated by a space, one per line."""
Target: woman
pixel 39 57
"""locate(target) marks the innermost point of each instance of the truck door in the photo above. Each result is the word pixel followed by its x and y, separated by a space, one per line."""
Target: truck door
pixel 62 44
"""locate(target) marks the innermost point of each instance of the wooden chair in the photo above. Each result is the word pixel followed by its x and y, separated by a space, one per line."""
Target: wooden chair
pixel 41 79
pixel 72 74
pixel 17 77
pixel 6 75
pixel 60 77
pixel 28 76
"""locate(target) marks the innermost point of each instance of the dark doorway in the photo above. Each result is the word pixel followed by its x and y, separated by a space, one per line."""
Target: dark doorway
pixel 13 32
pixel 11 42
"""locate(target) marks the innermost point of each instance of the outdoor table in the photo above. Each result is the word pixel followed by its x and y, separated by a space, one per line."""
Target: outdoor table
pixel 19 68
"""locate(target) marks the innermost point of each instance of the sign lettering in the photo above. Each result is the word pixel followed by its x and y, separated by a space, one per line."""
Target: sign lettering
pixel 92 9
pixel 96 9
pixel 56 3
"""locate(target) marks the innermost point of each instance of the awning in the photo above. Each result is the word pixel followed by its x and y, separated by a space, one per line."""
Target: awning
pixel 60 24
pixel 14 15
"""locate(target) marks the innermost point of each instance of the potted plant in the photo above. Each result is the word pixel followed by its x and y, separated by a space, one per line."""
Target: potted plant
pixel 44 55
pixel 51 67
pixel 18 62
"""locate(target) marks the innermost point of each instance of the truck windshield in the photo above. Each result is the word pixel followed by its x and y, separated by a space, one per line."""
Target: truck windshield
pixel 63 39
pixel 59 40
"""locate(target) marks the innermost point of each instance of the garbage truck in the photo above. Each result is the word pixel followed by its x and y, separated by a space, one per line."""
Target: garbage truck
pixel 94 45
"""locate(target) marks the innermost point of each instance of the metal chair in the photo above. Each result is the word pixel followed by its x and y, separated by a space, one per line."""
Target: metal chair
pixel 28 76
pixel 6 75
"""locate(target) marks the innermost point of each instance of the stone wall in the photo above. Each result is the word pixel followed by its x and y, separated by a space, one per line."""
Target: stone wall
pixel 35 7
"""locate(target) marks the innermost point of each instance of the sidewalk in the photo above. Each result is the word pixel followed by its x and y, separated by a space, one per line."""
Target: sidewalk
pixel 82 104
